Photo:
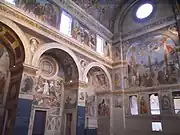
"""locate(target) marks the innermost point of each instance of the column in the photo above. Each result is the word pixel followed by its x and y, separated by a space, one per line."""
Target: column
pixel 11 99
pixel 23 121
pixel 80 124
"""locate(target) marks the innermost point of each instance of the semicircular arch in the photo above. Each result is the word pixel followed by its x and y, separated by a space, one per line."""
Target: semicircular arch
pixel 54 45
pixel 21 36
pixel 96 64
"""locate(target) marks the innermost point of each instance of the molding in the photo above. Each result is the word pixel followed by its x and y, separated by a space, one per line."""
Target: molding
pixel 40 27
pixel 85 18
pixel 142 90
pixel 96 64
pixel 146 29
pixel 83 84
pixel 54 45
pixel 25 96
pixel 30 69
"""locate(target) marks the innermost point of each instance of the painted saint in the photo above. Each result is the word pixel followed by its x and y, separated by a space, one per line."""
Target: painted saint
pixel 143 106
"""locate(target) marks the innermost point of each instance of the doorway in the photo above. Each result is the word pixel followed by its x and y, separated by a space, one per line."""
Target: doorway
pixel 68 124
pixel 39 122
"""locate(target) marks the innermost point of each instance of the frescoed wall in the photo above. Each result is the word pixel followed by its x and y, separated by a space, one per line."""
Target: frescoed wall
pixel 83 34
pixel 103 115
pixel 153 62
pixel 4 66
pixel 45 10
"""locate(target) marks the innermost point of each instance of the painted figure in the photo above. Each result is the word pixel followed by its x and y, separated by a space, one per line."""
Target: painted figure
pixel 143 106
pixel 103 108
pixel 153 62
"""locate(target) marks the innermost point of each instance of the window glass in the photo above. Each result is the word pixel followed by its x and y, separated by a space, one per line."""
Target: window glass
pixel 134 105
pixel 99 44
pixel 11 1
pixel 144 11
pixel 66 22
pixel 176 100
pixel 154 104
pixel 156 126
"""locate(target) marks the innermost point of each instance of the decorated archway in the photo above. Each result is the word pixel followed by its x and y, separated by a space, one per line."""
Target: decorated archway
pixel 11 67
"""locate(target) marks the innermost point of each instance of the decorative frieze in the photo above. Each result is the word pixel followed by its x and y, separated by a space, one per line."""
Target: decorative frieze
pixel 51 33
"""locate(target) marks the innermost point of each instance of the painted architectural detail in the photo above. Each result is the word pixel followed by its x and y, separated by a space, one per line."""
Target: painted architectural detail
pixel 53 123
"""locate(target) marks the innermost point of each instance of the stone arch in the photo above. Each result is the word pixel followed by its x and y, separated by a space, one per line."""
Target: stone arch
pixel 120 16
pixel 54 45
pixel 20 34
pixel 10 74
pixel 96 64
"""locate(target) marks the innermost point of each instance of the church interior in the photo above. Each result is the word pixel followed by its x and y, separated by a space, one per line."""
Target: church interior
pixel 89 67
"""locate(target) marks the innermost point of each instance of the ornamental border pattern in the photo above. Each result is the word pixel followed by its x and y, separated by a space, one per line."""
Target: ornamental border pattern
pixel 52 33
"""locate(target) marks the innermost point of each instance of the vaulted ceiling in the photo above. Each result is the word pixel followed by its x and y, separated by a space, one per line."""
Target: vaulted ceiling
pixel 104 11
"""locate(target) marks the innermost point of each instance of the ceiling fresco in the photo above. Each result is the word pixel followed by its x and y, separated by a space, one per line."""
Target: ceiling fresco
pixel 102 10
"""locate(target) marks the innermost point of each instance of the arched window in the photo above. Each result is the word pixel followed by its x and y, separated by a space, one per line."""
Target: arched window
pixel 154 104
pixel 133 105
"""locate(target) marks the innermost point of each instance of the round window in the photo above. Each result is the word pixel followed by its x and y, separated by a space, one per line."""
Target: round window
pixel 144 11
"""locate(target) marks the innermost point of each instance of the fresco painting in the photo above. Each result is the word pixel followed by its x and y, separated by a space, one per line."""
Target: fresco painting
pixel 152 63
pixel 83 34
pixel 45 10
pixel 48 93
pixel 104 107
pixel 143 106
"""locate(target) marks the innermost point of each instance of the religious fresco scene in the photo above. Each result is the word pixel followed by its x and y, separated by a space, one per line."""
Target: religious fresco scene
pixel 89 67
pixel 82 34
pixel 45 10
pixel 153 63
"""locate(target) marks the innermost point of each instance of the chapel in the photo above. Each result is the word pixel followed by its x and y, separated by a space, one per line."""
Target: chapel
pixel 89 67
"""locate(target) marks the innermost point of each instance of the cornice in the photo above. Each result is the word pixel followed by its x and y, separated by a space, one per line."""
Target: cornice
pixel 162 23
pixel 30 69
pixel 85 18
pixel 40 27
pixel 142 90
